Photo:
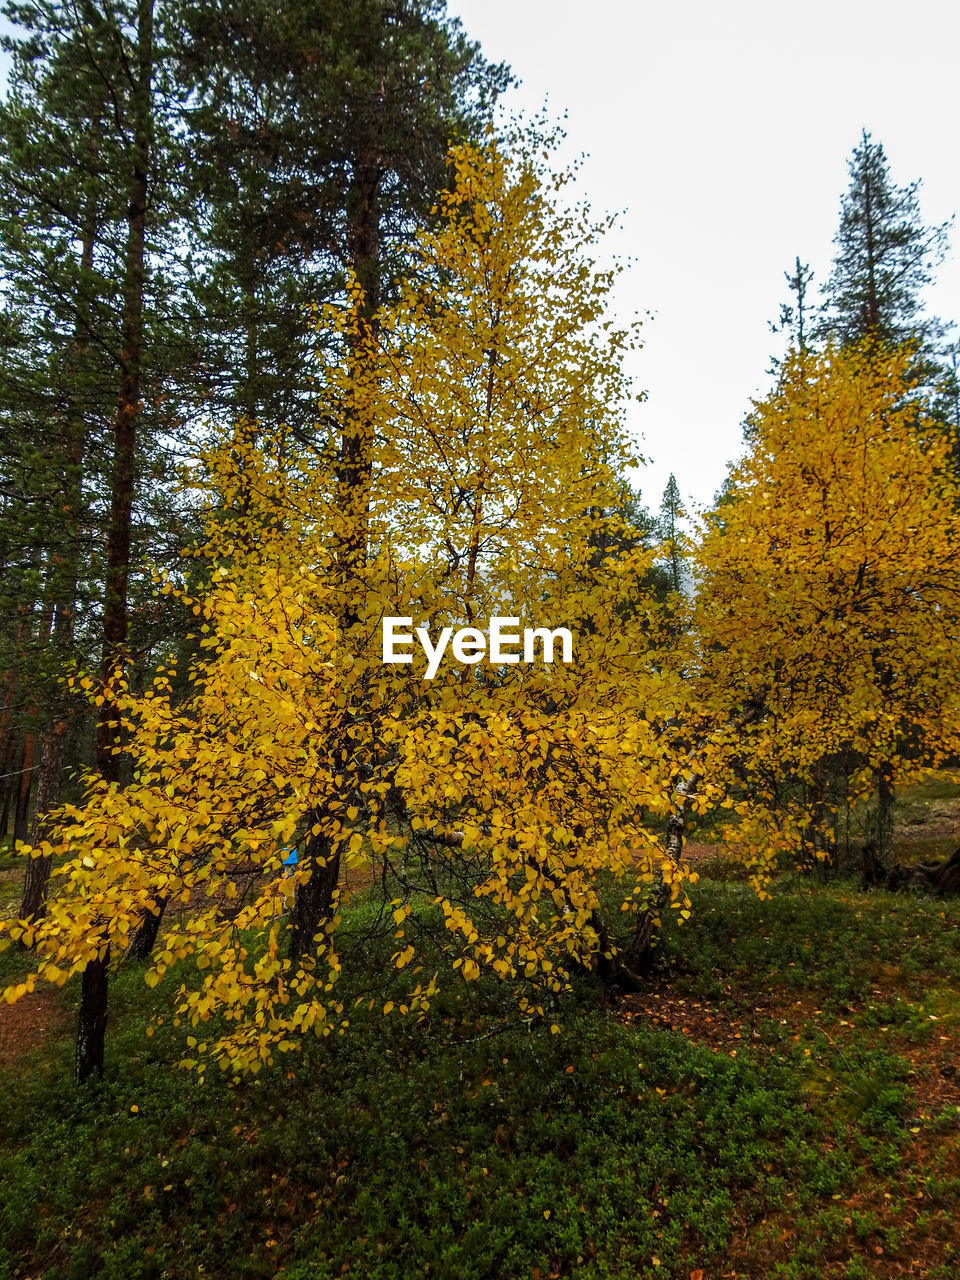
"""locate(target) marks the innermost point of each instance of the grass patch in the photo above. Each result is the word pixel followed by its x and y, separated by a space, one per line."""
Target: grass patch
pixel 945 786
pixel 831 941
pixel 479 1146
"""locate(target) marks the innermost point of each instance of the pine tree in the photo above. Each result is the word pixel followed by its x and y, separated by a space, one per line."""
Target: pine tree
pixel 319 131
pixel 886 256
pixel 795 317
pixel 671 514
pixel 55 377
pixel 317 137
pixel 89 156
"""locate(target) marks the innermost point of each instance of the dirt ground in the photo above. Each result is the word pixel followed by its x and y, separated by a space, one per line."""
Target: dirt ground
pixel 36 1019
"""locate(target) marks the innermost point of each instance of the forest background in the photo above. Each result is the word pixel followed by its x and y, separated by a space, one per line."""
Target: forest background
pixel 298 332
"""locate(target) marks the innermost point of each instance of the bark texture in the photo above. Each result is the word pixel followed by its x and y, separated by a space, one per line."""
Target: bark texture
pixel 314 899
pixel 92 1025
pixel 48 795
pixel 92 1022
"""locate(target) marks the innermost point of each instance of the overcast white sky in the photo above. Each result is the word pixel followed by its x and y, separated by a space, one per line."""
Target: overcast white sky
pixel 723 130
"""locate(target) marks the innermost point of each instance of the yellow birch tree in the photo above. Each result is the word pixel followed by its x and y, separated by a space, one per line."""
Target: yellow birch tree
pixel 829 593
pixel 474 447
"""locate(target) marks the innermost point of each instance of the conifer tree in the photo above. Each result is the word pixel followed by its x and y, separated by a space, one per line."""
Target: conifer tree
pixel 89 158
pixel 671 513
pixel 502 794
pixel 51 220
pixel 316 137
pixel 319 131
pixel 828 584
pixel 795 317
pixel 886 256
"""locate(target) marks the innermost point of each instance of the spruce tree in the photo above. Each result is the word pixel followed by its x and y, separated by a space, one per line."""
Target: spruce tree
pixel 796 317
pixel 886 256
pixel 671 514
pixel 319 132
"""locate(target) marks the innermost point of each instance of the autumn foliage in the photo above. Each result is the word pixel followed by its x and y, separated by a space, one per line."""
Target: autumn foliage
pixel 829 594
pixel 467 463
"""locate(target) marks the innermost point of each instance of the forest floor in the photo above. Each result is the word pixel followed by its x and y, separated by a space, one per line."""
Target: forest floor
pixel 783 1102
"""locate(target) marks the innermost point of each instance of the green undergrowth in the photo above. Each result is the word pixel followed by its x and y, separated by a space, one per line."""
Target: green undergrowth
pixel 479 1145
pixel 835 942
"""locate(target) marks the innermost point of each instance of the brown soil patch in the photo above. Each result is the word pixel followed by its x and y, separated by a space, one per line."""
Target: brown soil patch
pixel 726 1027
pixel 35 1020
pixel 694 852
pixel 939 820
pixel 713 861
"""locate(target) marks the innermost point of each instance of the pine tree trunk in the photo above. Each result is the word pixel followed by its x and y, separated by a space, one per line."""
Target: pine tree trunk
pixel 9 781
pixel 93 994
pixel 117 573
pixel 21 827
pixel 65 578
pixel 48 796
pixel 21 820
pixel 5 794
pixel 8 741
pixel 11 770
